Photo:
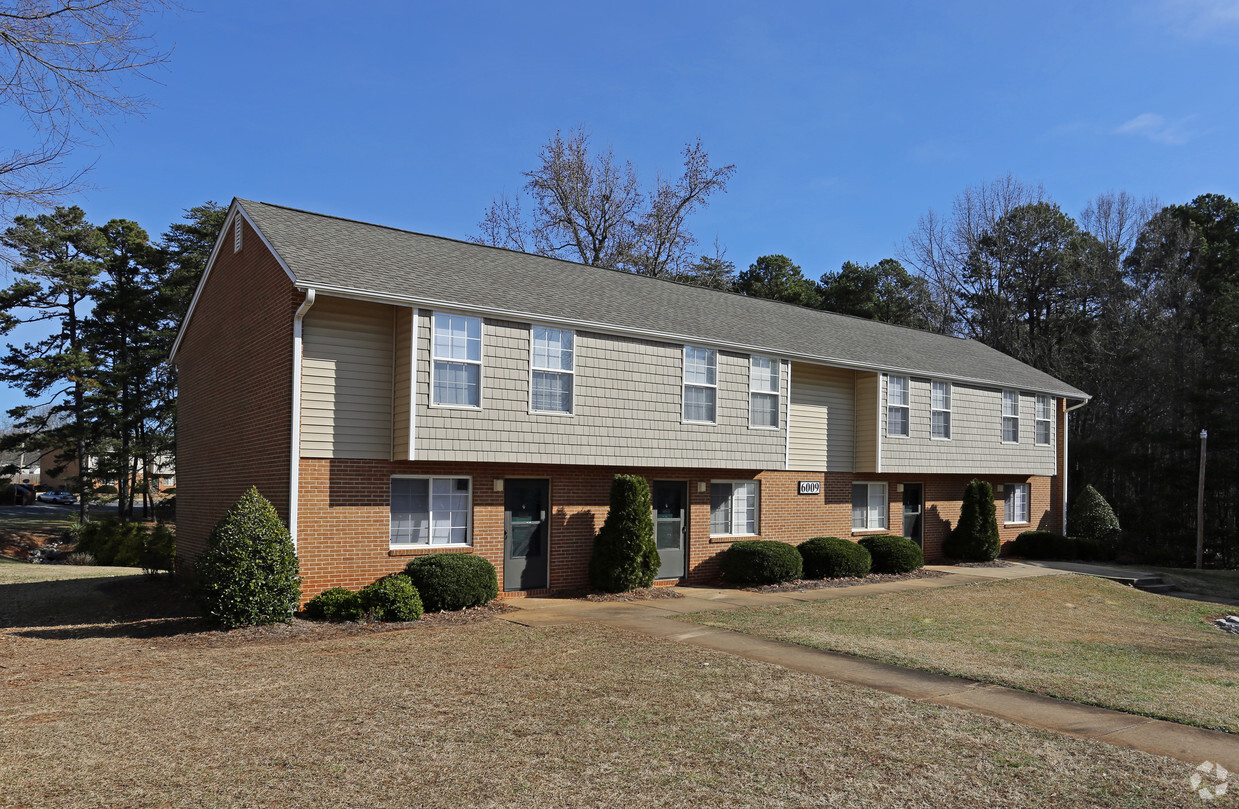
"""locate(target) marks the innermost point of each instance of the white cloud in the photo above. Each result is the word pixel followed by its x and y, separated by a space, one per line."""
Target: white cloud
pixel 1157 129
pixel 1201 18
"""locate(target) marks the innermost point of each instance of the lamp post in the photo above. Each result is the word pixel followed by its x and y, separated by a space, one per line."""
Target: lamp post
pixel 1200 504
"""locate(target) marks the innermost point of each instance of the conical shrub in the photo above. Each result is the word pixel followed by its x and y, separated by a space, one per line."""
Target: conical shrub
pixel 248 574
pixel 1091 517
pixel 625 556
pixel 975 536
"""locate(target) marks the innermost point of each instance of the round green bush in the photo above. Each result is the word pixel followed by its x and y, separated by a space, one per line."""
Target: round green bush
pixel 894 554
pixel 248 574
pixel 392 598
pixel 453 581
pixel 336 604
pixel 834 558
pixel 761 561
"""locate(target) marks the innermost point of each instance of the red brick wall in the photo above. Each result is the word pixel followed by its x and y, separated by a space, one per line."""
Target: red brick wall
pixel 344 517
pixel 234 404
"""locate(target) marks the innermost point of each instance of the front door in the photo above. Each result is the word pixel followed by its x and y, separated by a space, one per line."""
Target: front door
pixel 913 508
pixel 525 512
pixel 670 526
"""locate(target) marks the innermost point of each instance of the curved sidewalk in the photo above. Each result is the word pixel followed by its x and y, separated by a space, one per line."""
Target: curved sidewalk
pixel 655 617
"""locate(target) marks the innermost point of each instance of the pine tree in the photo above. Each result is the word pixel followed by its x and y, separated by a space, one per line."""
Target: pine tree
pixel 975 536
pixel 625 555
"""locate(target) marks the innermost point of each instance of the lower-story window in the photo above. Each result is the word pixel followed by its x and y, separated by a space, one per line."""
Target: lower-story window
pixel 431 511
pixel 734 506
pixel 1017 502
pixel 868 506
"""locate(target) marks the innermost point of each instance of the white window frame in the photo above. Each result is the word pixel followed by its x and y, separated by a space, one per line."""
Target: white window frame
pixel 1048 421
pixel 533 367
pixel 685 385
pixel 1010 416
pixel 1010 515
pixel 777 367
pixel 933 410
pixel 906 407
pixel 886 506
pixel 468 543
pixel 434 320
pixel 756 484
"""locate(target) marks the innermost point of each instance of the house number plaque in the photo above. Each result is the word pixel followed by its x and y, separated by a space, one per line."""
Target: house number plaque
pixel 810 487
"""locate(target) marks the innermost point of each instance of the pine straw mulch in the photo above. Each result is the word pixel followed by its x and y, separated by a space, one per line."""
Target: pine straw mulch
pixel 640 594
pixel 848 581
pixel 992 563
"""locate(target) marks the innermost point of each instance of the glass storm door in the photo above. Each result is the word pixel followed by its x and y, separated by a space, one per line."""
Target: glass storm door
pixel 670 527
pixel 913 516
pixel 525 512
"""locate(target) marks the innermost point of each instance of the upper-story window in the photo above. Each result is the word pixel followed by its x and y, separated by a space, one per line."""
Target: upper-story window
pixel 897 406
pixel 551 370
pixel 456 348
pixel 1043 420
pixel 1010 417
pixel 763 392
pixel 700 384
pixel 940 410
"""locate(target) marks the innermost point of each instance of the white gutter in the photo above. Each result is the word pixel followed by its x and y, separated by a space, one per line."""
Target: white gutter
pixel 1063 471
pixel 295 469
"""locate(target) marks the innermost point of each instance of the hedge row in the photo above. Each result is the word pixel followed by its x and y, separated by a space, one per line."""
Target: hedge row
pixel 1049 545
pixel 760 561
pixel 434 583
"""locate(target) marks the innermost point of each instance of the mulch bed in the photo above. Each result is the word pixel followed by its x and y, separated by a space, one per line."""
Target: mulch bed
pixel 851 581
pixel 994 563
pixel 643 594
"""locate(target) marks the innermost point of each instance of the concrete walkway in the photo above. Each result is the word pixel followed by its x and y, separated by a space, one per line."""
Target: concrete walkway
pixel 655 618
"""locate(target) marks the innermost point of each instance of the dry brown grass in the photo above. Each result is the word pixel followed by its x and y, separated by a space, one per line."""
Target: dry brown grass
pixel 494 714
pixel 1075 637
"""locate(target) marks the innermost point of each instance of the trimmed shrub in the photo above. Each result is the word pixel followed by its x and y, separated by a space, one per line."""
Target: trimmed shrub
pixel 761 561
pixel 1088 549
pixel 453 581
pixel 1042 545
pixel 336 604
pixel 248 574
pixel 893 554
pixel 112 542
pixel 975 536
pixel 834 558
pixel 625 556
pixel 1092 518
pixel 391 598
pixel 159 551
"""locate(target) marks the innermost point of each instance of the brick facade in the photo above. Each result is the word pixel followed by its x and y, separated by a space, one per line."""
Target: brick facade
pixel 343 514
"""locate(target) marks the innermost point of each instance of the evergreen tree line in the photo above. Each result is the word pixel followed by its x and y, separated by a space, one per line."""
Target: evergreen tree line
pixel 109 301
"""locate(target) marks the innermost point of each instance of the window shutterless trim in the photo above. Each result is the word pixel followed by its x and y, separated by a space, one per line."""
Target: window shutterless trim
pixel 430 512
pixel 756 507
pixel 933 410
pixel 571 411
pixel 1048 420
pixel 906 407
pixel 886 506
pixel 684 384
pixel 1016 519
pixel 479 362
pixel 777 366
pixel 1004 415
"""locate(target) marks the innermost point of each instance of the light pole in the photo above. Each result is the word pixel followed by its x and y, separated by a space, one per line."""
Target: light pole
pixel 1200 504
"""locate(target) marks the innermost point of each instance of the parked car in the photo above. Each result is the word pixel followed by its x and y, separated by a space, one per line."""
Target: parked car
pixel 63 498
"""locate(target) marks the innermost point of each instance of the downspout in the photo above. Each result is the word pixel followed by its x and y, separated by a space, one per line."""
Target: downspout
pixel 295 469
pixel 1063 471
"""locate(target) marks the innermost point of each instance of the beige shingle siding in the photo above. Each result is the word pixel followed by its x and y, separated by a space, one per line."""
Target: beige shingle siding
pixel 346 380
pixel 975 447
pixel 866 451
pixel 823 418
pixel 627 408
pixel 402 392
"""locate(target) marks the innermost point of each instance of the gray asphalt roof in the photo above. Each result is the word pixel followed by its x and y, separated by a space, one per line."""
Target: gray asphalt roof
pixel 328 252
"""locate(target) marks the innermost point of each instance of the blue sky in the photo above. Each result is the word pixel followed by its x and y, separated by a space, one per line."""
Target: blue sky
pixel 846 122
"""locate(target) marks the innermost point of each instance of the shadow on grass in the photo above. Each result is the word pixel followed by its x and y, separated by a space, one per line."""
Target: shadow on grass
pixel 121 606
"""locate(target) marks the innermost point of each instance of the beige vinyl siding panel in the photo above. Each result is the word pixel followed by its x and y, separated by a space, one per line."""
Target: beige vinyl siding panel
pixel 346 380
pixel 822 421
pixel 402 383
pixel 626 411
pixel 975 446
pixel 866 419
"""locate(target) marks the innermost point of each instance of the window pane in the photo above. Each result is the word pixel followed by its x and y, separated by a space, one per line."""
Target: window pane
pixel 1010 429
pixel 860 506
pixel 699 404
pixel 897 390
pixel 1010 403
pixel 941 395
pixel 1043 407
pixel 720 508
pixel 457 337
pixel 763 375
pixel 410 509
pixel 698 366
pixel 744 506
pixel 942 424
pixel 877 506
pixel 897 421
pixel 552 349
pixel 456 383
pixel 1043 432
pixel 764 409
pixel 552 392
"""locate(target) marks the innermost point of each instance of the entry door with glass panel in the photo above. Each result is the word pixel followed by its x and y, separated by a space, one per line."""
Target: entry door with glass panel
pixel 525 512
pixel 913 508
pixel 670 526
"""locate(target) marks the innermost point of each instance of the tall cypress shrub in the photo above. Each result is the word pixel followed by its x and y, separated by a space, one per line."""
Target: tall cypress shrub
pixel 625 556
pixel 975 536
pixel 248 574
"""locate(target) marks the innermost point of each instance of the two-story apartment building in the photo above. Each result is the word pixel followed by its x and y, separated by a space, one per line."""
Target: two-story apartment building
pixel 396 394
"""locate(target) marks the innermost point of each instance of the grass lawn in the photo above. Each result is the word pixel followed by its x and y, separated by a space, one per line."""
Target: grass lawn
pixel 1076 637
pixel 1213 583
pixel 125 706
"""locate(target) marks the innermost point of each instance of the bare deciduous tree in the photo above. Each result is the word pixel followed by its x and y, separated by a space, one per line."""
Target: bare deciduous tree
pixel 63 66
pixel 589 207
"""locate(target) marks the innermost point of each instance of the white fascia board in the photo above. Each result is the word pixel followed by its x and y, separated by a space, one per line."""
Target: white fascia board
pixel 234 210
pixel 664 337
